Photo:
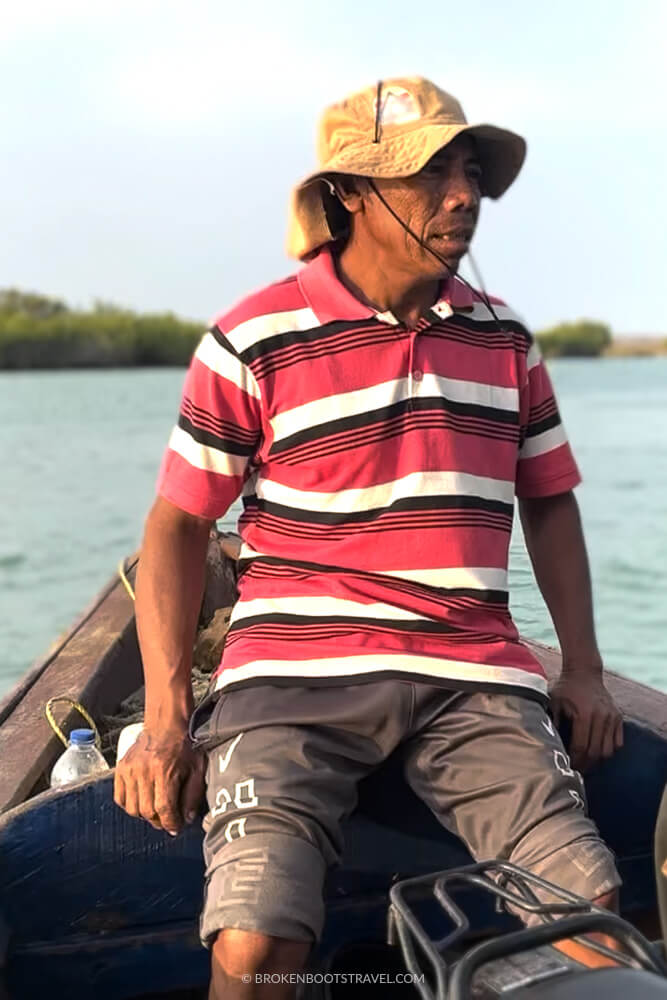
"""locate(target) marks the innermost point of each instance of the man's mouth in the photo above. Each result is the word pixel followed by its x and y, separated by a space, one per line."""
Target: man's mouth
pixel 454 236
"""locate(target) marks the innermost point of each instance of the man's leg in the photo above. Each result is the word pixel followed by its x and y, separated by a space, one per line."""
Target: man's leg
pixel 271 832
pixel 587 956
pixel 493 769
pixel 279 783
pixel 661 862
pixel 246 965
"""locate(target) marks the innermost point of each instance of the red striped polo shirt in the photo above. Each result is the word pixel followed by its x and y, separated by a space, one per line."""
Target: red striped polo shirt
pixel 378 467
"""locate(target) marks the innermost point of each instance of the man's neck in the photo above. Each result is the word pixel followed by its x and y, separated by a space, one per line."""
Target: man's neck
pixel 384 288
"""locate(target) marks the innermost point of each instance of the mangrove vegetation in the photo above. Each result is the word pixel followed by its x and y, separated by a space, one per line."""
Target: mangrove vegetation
pixel 585 338
pixel 41 332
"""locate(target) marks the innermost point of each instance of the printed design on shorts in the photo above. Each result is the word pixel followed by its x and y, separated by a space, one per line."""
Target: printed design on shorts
pixel 235 826
pixel 224 759
pixel 578 801
pixel 243 798
pixel 549 726
pixel 562 764
pixel 589 856
pixel 243 883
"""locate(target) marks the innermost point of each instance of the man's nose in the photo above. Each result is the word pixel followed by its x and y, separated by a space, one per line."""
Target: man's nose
pixel 462 194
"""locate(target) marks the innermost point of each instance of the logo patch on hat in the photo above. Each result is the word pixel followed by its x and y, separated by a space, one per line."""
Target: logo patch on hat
pixel 397 107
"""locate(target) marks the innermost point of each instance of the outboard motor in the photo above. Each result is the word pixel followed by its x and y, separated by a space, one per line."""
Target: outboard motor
pixel 523 964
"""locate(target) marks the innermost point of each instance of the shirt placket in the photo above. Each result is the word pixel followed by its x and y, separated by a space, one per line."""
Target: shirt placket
pixel 415 373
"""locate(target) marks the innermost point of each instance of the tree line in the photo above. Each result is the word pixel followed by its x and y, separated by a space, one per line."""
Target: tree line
pixel 585 338
pixel 41 332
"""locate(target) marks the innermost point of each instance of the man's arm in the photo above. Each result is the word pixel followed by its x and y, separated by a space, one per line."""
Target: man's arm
pixel 161 778
pixel 555 543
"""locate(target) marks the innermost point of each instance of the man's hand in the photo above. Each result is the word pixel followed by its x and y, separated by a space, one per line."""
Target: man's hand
pixel 161 777
pixel 597 724
pixel 161 780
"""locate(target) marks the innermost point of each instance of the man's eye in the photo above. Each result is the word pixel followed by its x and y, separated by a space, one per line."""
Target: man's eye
pixel 474 171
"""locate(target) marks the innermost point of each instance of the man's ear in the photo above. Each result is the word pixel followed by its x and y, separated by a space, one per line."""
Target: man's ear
pixel 348 190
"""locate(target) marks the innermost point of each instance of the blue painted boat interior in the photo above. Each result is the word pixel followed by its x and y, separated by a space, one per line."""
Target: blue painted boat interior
pixel 90 896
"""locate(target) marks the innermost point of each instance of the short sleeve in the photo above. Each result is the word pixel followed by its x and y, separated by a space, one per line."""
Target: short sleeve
pixel 217 433
pixel 546 465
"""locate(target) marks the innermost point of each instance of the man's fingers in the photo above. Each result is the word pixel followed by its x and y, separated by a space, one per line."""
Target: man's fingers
pixel 151 782
pixel 131 798
pixel 580 741
pixel 146 799
pixel 596 736
pixel 193 791
pixel 618 733
pixel 119 788
pixel 167 794
pixel 609 744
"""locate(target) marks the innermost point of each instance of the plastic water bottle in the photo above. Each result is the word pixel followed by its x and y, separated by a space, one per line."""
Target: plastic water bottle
pixel 81 759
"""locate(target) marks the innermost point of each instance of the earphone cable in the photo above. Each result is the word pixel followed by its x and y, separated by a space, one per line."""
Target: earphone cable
pixel 451 272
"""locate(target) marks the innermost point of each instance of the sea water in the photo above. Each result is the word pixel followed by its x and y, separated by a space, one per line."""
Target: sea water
pixel 80 453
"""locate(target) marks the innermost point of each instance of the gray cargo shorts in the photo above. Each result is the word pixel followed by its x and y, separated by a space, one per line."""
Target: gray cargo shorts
pixel 283 768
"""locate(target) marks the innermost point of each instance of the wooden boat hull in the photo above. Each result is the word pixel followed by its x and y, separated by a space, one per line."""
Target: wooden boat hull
pixel 91 895
pixel 96 663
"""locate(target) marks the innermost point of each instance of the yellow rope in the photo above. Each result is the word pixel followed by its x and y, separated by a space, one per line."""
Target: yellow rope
pixel 124 580
pixel 73 704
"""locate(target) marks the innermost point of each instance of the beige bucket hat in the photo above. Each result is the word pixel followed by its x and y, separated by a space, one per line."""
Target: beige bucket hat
pixel 392 129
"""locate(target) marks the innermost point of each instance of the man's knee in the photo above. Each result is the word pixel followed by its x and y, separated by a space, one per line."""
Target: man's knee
pixel 608 901
pixel 238 953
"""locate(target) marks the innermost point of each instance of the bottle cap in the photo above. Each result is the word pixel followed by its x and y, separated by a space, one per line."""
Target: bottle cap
pixel 82 737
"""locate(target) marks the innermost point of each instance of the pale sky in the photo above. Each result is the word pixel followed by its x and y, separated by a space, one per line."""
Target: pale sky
pixel 148 148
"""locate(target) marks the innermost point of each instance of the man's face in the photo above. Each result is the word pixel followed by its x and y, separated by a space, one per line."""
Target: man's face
pixel 440 204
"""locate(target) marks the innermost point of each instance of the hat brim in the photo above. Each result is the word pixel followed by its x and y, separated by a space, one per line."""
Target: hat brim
pixel 501 154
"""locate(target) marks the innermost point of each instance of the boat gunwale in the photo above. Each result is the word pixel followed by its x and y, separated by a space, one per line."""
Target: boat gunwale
pixel 29 678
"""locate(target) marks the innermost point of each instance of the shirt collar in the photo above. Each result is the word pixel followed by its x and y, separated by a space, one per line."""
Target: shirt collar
pixel 325 293
pixel 330 300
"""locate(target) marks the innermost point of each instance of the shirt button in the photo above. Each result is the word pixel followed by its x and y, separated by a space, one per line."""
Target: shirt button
pixel 417 374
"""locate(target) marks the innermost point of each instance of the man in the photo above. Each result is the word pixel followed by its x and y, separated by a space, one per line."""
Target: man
pixel 379 416
pixel 661 861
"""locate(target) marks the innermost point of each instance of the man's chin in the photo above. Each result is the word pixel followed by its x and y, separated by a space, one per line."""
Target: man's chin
pixel 443 261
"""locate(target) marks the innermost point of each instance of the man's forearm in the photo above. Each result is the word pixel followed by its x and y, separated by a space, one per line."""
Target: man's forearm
pixel 555 543
pixel 170 585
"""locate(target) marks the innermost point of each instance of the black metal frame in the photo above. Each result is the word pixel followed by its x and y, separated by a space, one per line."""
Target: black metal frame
pixel 569 918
